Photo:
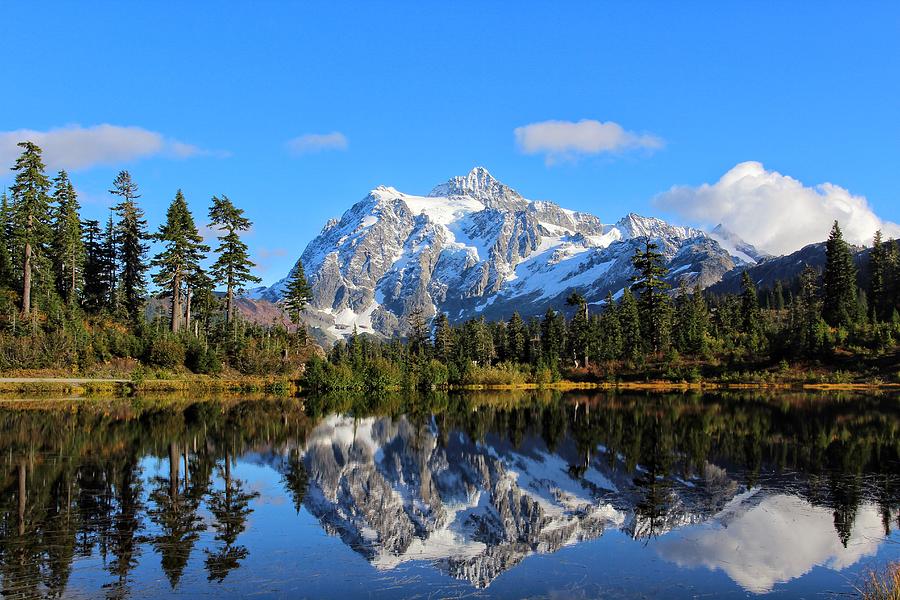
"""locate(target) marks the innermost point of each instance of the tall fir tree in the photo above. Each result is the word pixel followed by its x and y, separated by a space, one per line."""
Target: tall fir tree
pixel 67 248
pixel 692 322
pixel 131 237
pixel 95 290
pixel 297 293
pixel 807 326
pixel 610 330
pixel 443 338
pixel 579 329
pixel 110 266
pixel 180 258
pixel 878 279
pixel 653 302
pixel 31 217
pixel 629 317
pixel 517 338
pixel 839 281
pixel 232 267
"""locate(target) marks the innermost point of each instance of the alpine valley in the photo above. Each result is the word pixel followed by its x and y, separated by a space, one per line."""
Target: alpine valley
pixel 475 247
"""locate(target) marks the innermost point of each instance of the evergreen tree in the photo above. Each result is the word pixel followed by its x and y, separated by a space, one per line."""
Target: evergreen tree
pixel 180 259
pixel 839 281
pixel 693 322
pixel 6 238
pixel 67 248
pixel 629 317
pixel 610 330
pixel 878 272
pixel 95 291
pixel 233 264
pixel 749 305
pixel 131 234
pixel 31 215
pixel 579 333
pixel 110 266
pixel 806 315
pixel 778 296
pixel 653 302
pixel 517 338
pixel 553 337
pixel 297 293
pixel 443 338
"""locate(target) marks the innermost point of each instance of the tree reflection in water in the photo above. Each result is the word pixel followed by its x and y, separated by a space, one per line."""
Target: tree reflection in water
pixel 74 481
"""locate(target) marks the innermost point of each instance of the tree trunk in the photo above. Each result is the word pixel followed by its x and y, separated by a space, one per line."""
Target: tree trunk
pixel 187 311
pixel 229 303
pixel 72 284
pixel 26 279
pixel 176 303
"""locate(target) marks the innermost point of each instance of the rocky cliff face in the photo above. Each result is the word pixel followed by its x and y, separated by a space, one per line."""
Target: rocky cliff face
pixel 396 492
pixel 475 247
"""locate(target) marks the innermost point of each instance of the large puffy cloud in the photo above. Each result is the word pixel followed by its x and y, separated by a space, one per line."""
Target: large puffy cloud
pixel 317 142
pixel 75 147
pixel 779 539
pixel 774 212
pixel 567 140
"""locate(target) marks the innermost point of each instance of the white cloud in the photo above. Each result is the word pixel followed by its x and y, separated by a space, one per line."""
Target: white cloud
pixel 75 147
pixel 317 142
pixel 774 212
pixel 567 140
pixel 781 538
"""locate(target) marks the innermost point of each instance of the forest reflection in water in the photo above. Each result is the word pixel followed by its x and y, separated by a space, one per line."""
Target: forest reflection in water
pixel 761 488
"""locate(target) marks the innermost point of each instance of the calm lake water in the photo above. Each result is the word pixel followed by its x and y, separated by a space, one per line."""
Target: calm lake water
pixel 495 495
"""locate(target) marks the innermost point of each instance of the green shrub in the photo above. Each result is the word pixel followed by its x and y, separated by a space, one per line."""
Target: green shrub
pixel 165 352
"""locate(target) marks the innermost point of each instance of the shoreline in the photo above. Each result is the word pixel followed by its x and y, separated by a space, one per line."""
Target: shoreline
pixel 117 387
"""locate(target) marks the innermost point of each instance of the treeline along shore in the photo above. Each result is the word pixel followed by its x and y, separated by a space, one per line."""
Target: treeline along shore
pixel 76 302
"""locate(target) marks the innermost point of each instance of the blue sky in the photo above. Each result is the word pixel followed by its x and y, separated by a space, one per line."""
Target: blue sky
pixel 422 91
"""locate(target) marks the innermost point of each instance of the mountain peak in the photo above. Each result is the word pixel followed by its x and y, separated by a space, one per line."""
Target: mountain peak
pixel 479 184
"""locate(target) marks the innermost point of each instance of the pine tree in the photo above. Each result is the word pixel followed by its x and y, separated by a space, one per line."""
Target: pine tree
pixel 653 302
pixel 806 318
pixel 95 291
pixel 110 266
pixel 184 249
pixel 233 264
pixel 749 304
pixel 579 333
pixel 878 271
pixel 693 322
pixel 297 293
pixel 6 238
pixel 131 234
pixel 67 249
pixel 443 338
pixel 778 296
pixel 553 337
pixel 610 330
pixel 517 338
pixel 31 215
pixel 839 281
pixel 629 317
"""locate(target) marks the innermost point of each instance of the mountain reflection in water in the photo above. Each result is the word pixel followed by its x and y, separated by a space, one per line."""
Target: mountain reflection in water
pixel 764 490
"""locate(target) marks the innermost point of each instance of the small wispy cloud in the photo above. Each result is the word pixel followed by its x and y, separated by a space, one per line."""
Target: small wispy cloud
pixel 317 142
pixel 75 147
pixel 263 257
pixel 568 140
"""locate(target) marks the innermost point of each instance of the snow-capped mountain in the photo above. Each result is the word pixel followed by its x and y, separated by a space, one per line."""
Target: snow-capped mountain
pixel 473 247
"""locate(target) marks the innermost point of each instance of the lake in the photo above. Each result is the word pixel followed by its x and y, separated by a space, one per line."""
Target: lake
pixel 494 495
